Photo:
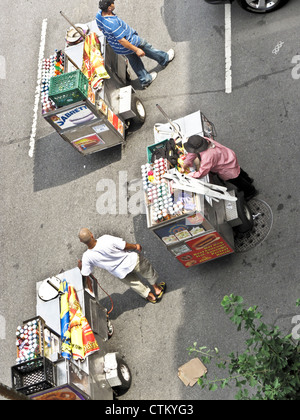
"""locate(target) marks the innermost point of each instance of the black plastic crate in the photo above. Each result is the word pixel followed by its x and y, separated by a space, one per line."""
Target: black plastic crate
pixel 34 376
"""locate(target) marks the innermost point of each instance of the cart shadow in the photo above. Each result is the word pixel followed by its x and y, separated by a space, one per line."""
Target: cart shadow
pixel 57 163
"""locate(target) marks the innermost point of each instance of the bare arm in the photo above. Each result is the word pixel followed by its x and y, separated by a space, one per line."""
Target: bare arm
pixel 126 44
pixel 133 247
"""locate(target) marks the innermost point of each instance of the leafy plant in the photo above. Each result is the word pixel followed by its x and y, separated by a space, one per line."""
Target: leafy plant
pixel 269 368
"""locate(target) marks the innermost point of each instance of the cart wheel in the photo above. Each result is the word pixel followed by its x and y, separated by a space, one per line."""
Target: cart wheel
pixel 110 329
pixel 139 109
pixel 245 215
pixel 125 377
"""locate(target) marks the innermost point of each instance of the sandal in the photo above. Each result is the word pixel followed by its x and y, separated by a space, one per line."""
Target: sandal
pixel 151 300
pixel 163 290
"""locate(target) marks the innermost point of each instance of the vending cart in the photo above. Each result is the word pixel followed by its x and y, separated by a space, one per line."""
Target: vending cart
pixel 89 118
pixel 195 219
pixel 49 372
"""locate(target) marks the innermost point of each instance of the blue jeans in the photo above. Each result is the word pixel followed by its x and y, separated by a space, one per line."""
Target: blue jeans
pixel 137 65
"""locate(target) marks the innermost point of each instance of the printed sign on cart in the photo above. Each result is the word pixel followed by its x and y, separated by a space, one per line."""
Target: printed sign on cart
pixel 73 117
pixel 182 230
pixel 64 393
pixel 203 249
pixel 87 142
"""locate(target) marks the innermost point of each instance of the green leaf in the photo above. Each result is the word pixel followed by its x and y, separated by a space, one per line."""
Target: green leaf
pixel 224 383
pixel 252 381
pixel 213 387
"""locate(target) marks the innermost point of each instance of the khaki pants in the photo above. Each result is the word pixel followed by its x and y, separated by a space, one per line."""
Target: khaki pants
pixel 143 269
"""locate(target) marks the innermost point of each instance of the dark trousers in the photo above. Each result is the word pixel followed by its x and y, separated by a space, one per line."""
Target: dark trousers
pixel 244 183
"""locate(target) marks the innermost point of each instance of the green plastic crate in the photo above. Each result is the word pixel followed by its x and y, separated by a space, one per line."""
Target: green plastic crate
pixel 68 88
pixel 154 146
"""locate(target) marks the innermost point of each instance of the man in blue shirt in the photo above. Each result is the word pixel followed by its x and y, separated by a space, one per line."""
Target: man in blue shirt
pixel 126 41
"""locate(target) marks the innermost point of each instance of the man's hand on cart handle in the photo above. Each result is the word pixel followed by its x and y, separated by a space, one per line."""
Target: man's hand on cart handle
pixel 133 247
pixel 138 248
pixel 139 52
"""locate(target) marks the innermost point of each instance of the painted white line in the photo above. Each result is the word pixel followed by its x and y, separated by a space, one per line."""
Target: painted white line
pixel 296 69
pixel 2 68
pixel 2 328
pixel 38 89
pixel 228 58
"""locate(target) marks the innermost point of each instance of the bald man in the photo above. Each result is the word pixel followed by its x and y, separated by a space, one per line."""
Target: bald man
pixel 121 259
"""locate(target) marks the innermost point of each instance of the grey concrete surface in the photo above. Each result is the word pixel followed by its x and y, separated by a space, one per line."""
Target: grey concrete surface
pixel 47 198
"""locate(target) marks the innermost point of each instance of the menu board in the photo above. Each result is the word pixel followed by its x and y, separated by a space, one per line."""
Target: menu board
pixel 202 249
pixel 182 229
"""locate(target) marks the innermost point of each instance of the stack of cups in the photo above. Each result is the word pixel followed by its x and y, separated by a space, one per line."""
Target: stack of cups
pixel 158 193
pixel 28 340
pixel 47 72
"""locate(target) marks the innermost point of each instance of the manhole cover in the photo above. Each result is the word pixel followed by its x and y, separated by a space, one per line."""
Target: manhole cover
pixel 263 221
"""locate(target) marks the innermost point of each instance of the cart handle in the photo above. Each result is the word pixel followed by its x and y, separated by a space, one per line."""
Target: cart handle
pixel 169 121
pixel 75 27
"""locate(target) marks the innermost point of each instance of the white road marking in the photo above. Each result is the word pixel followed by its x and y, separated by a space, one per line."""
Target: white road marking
pixel 38 88
pixel 2 68
pixel 228 58
pixel 2 328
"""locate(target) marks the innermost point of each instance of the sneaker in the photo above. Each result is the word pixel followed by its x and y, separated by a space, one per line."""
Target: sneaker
pixel 154 76
pixel 171 54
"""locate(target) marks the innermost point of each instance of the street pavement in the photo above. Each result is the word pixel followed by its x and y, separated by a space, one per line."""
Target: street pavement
pixel 47 198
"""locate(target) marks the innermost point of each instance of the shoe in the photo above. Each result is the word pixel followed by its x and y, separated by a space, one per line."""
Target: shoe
pixel 159 297
pixel 171 54
pixel 163 290
pixel 154 76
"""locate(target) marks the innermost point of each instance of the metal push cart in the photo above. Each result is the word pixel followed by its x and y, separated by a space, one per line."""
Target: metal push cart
pixel 98 123
pixel 100 376
pixel 201 224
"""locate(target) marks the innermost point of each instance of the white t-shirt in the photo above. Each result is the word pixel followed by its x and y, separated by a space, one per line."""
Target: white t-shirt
pixel 109 254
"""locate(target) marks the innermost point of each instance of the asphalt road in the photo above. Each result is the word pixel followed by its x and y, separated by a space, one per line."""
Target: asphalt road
pixel 48 197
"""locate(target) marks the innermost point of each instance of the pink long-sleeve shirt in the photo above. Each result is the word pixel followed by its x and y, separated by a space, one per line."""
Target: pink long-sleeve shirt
pixel 218 159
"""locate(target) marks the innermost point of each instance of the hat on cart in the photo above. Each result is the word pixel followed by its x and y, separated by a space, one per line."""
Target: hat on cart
pixel 196 144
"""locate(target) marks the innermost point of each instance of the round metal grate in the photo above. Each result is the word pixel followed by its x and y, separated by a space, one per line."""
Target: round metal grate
pixel 263 222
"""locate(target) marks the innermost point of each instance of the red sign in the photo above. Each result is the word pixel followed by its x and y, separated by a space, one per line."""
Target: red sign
pixel 205 248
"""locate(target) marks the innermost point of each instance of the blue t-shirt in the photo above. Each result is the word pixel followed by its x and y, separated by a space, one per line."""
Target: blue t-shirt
pixel 115 29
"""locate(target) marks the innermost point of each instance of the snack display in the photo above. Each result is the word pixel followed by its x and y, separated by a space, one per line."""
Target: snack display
pixel 28 341
pixel 163 204
pixel 35 339
pixel 53 66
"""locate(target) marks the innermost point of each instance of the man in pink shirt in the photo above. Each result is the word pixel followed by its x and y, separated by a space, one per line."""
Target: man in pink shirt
pixel 207 155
